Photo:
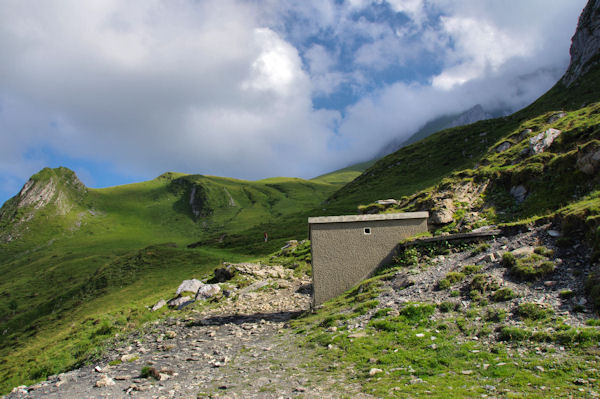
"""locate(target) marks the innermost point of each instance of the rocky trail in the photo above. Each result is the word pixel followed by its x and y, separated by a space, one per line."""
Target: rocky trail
pixel 240 348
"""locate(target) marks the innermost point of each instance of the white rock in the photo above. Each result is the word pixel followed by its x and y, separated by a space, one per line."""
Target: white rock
pixel 541 142
pixel 159 305
pixel 189 286
pixel 207 291
pixel 374 371
pixel 105 381
pixel 180 302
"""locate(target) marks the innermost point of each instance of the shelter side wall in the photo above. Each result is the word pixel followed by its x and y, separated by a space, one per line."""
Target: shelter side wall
pixel 344 255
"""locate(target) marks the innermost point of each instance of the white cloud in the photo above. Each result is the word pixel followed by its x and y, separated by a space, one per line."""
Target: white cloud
pixel 226 86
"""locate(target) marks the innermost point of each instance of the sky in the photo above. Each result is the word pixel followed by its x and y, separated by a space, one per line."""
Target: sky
pixel 123 91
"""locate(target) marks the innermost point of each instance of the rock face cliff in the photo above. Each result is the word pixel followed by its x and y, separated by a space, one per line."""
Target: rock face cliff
pixel 585 44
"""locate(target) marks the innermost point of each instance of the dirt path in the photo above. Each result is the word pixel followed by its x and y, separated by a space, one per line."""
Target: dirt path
pixel 242 348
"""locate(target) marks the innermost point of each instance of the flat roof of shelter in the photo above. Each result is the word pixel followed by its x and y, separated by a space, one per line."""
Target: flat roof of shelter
pixel 368 218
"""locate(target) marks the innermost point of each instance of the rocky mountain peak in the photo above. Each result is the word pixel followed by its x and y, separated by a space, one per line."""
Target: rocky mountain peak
pixel 585 44
pixel 49 186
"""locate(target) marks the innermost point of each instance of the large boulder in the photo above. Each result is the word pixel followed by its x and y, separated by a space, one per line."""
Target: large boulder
pixel 207 291
pixel 189 286
pixel 504 146
pixel 223 274
pixel 180 302
pixel 589 162
pixel 443 213
pixel 541 142
pixel 159 305
pixel 519 193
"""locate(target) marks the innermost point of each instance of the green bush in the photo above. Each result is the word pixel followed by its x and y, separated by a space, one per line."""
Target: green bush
pixel 149 371
pixel 534 311
pixel 408 257
pixel 417 312
pixel 543 251
pixel 455 277
pixel 448 306
pixel 508 260
pixel 471 269
pixel 508 333
pixel 444 284
pixel 495 315
pixel 503 294
pixel 592 289
pixel 483 283
pixel 481 248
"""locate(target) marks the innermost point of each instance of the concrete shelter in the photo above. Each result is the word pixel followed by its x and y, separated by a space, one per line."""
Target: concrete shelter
pixel 347 249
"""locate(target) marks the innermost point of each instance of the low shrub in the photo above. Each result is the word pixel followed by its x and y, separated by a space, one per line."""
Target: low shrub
pixel 484 283
pixel 494 315
pixel 149 371
pixel 448 306
pixel 566 294
pixel 471 269
pixel 417 312
pixel 592 289
pixel 534 311
pixel 444 284
pixel 503 294
pixel 508 333
pixel 481 248
pixel 508 260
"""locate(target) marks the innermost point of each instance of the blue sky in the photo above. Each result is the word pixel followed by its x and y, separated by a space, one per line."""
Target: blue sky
pixel 124 91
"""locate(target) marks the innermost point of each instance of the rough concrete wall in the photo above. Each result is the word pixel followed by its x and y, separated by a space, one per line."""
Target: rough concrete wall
pixel 342 255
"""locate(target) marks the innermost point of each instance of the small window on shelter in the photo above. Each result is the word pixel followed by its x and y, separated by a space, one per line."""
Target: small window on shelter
pixel 367 230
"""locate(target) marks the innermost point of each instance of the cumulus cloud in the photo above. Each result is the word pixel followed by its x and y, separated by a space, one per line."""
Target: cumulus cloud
pixel 228 87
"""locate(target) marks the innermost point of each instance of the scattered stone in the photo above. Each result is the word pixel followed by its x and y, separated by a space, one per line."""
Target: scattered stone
pixel 289 245
pixel 523 251
pixel 504 146
pixel 539 368
pixel 159 305
pixel 387 202
pixel 189 286
pixel 105 381
pixel 524 134
pixel 557 116
pixel 170 334
pixel 420 335
pixel 374 371
pixel 554 233
pixel 123 377
pixel 519 193
pixel 466 372
pixel 180 302
pixel 130 357
pixel 98 369
pixel 589 162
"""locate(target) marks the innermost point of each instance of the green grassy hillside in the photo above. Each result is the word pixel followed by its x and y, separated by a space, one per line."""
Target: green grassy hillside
pixel 81 264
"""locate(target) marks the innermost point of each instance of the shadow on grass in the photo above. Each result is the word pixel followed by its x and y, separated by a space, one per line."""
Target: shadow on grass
pixel 241 319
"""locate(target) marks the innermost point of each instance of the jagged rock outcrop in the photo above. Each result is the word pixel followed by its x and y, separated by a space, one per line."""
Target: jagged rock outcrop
pixel 585 44
pixel 60 188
